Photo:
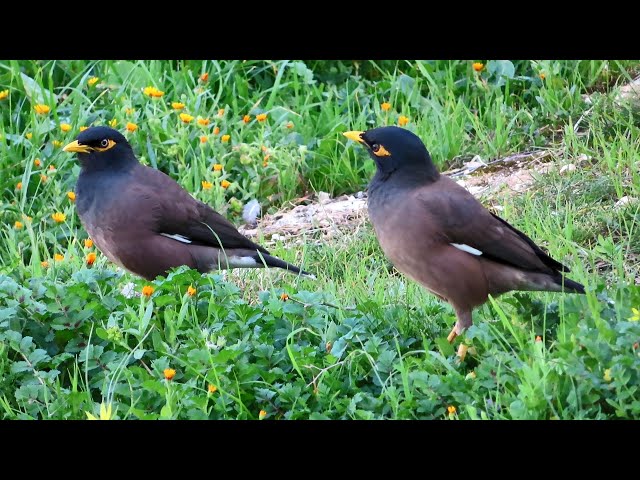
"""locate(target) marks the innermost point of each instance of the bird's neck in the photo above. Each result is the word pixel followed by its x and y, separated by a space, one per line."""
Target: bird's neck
pixel 404 178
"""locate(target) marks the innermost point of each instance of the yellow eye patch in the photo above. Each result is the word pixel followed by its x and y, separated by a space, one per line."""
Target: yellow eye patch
pixel 111 144
pixel 381 152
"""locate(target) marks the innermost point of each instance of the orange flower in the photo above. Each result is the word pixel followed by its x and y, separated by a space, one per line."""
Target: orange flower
pixel 284 297
pixel 147 290
pixel 18 225
pixel 451 409
pixel 191 291
pixel 58 257
pixel 385 106
pixel 177 105
pixel 19 186
pixel 246 119
pixel 92 81
pixel 28 135
pixel 290 125
pixel 65 127
pixel 42 109
pixel 43 178
pixel 37 162
pixel 206 185
pixel 88 243
pixel 4 94
pixel 204 77
pixel 266 158
pixel 71 196
pixel 402 120
pixel 216 131
pixel 262 414
pixel 52 167
pixel 225 138
pixel 44 264
pixel 203 139
pixel 221 112
pixel 82 129
pixel 153 92
pixel 169 373
pixel 217 167
pixel 225 183
pixel 132 127
pixel 261 117
pixel 113 123
pixel 57 143
pixel 212 388
pixel 203 121
pixel 91 257
pixel 542 76
pixel 478 67
pixel 264 148
pixel 186 118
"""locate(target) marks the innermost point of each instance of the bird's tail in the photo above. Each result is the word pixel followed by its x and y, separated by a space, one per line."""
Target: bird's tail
pixel 569 285
pixel 271 261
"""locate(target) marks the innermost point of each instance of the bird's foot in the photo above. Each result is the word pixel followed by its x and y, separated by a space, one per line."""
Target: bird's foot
pixel 452 336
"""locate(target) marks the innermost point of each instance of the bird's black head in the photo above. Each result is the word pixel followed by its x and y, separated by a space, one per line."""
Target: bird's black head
pixel 101 148
pixel 396 149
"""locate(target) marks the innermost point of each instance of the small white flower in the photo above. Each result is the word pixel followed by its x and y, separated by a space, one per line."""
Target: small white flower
pixel 128 290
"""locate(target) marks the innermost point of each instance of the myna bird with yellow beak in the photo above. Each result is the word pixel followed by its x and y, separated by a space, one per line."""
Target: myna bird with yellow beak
pixel 144 221
pixel 437 233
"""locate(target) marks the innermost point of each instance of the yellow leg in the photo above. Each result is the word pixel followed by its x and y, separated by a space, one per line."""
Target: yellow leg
pixel 452 336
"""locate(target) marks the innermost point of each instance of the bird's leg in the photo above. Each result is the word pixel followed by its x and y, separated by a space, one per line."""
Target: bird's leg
pixel 464 321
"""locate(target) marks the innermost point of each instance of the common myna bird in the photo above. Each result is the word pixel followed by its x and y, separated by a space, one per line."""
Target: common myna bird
pixel 437 233
pixel 144 221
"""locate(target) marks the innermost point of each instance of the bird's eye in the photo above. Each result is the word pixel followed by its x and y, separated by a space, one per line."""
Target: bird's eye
pixel 375 147
pixel 104 143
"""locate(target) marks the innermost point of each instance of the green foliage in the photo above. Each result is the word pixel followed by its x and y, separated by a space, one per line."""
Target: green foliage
pixel 362 341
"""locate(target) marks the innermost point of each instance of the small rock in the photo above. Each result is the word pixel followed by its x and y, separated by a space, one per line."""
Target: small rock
pixel 567 168
pixel 624 201
pixel 323 197
pixel 584 158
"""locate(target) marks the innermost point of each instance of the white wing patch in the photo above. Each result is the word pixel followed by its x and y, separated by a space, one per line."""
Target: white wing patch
pixel 467 248
pixel 177 237
pixel 243 262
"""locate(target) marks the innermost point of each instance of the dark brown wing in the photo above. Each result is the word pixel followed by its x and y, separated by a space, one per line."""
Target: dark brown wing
pixel 176 212
pixel 463 220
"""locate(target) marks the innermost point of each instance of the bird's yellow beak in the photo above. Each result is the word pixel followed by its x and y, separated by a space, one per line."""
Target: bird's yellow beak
pixel 355 136
pixel 76 147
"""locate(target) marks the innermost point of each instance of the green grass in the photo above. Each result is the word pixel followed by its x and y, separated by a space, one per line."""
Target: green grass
pixel 361 341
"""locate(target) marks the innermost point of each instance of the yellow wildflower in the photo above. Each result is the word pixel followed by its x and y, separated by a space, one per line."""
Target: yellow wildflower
pixel 113 123
pixel 225 184
pixel 57 143
pixel 216 130
pixel 386 106
pixel 43 178
pixel 478 67
pixel 132 127
pixel 58 257
pixel 92 81
pixel 212 388
pixel 607 375
pixel 88 243
pixel 221 112
pixel 542 76
pixel 28 135
pixel 636 315
pixel 246 119
pixel 44 264
pixel 37 163
pixel 42 109
pixel 4 94
pixel 169 373
pixel 186 118
pixel 177 105
pixel 203 121
pixel 206 185
pixel 451 409
pixel 82 129
pixel 152 92
pixel 65 127
pixel 290 125
pixel 147 290
pixel 91 257
pixel 217 167
pixel 261 117
pixel 204 77
pixel 105 413
pixel 19 186
pixel 225 138
pixel 191 291
pixel 402 120
pixel 129 111
pixel 203 139
pixel 18 225
pixel 262 414
pixel 284 297
pixel 71 196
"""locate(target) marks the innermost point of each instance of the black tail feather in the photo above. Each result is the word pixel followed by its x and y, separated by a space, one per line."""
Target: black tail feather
pixel 569 285
pixel 271 261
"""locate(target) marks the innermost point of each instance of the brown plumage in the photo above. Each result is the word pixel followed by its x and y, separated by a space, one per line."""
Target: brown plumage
pixel 438 234
pixel 144 221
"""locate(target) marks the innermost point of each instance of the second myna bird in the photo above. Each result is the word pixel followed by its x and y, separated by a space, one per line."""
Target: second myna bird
pixel 437 233
pixel 144 221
